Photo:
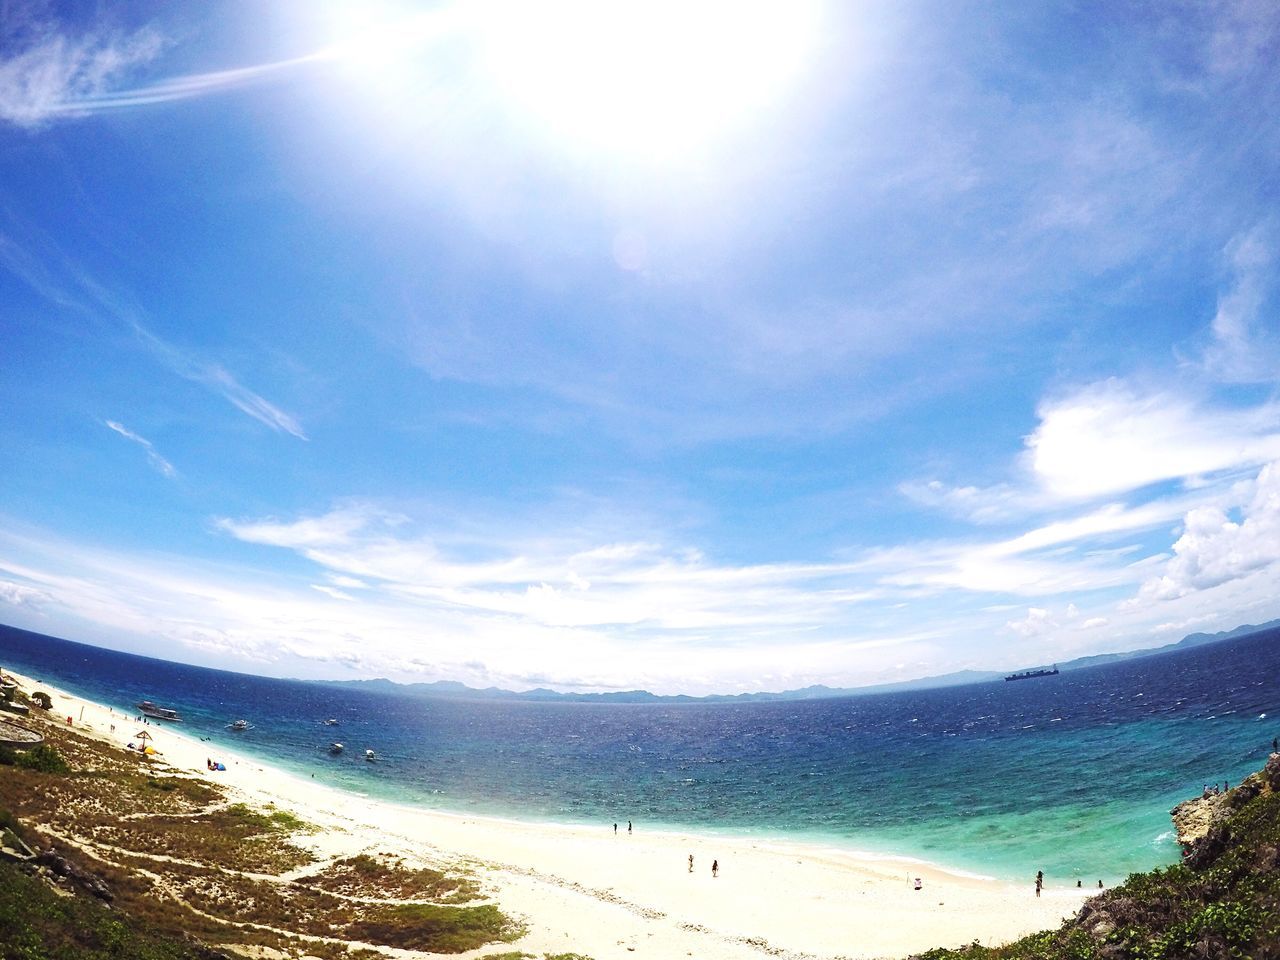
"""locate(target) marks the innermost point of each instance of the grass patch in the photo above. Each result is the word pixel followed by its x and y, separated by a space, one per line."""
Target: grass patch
pixel 39 924
pixel 367 876
pixel 433 928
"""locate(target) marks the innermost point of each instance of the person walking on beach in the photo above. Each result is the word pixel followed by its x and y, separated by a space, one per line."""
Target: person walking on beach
pixel 615 829
pixel 628 826
pixel 691 863
pixel 715 868
pixel 1039 881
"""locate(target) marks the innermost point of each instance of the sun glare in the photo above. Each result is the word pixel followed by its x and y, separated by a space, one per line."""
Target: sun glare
pixel 651 79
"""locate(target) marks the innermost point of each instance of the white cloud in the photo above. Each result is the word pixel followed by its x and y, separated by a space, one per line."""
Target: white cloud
pixel 1243 349
pixel 992 504
pixel 153 457
pixel 1110 438
pixel 49 76
pixel 1214 548
pixel 19 595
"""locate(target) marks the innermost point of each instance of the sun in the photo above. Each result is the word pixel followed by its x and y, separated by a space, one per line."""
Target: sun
pixel 652 78
pixel 657 80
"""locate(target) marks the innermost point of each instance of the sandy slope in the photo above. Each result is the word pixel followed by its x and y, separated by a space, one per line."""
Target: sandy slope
pixel 609 896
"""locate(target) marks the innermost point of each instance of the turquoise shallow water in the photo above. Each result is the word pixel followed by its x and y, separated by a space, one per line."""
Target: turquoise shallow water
pixel 1073 774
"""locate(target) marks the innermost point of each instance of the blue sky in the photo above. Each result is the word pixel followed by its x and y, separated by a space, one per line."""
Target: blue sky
pixel 696 347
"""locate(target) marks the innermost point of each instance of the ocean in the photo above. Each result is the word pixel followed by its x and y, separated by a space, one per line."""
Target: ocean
pixel 1072 774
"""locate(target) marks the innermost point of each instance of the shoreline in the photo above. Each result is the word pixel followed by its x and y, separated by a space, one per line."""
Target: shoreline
pixel 587 890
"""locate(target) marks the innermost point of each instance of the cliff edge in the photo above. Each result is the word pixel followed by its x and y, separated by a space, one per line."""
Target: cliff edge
pixel 1221 901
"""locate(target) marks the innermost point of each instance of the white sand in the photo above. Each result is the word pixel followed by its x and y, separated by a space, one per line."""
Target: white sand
pixel 585 890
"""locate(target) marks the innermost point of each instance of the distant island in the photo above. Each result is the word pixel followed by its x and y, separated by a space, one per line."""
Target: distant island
pixel 452 689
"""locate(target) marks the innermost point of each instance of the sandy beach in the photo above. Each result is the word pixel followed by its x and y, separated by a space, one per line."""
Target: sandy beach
pixel 610 896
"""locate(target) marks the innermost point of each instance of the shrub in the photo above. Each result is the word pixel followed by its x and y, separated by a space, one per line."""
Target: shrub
pixel 43 758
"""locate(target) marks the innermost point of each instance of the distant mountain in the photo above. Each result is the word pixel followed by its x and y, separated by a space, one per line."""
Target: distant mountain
pixel 1191 640
pixel 453 690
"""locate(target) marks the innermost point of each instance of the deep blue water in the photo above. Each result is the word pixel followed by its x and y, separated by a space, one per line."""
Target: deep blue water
pixel 1073 774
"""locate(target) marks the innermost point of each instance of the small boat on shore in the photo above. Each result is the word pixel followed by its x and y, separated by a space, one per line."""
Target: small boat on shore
pixel 240 725
pixel 158 712
pixel 335 748
pixel 1031 674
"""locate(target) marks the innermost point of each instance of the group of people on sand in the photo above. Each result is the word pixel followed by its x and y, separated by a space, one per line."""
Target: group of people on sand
pixel 715 866
pixel 1040 882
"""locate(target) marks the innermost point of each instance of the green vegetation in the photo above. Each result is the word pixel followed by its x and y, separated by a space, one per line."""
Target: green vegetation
pixel 39 924
pixel 183 869
pixel 1223 901
pixel 368 876
pixel 437 929
pixel 44 758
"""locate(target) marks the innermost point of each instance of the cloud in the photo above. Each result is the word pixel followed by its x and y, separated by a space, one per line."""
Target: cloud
pixel 980 505
pixel 1243 349
pixel 1110 438
pixel 55 71
pixel 61 281
pixel 55 75
pixel 245 400
pixel 19 595
pixel 154 458
pixel 1214 548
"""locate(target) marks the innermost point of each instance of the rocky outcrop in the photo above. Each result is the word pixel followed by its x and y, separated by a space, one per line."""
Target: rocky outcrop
pixel 61 867
pixel 1193 819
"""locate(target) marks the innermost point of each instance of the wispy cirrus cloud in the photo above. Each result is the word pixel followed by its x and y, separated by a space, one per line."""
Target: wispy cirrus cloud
pixel 57 74
pixel 57 278
pixel 54 70
pixel 1245 348
pixel 153 456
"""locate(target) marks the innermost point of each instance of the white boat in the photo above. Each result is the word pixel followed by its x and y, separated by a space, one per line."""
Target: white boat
pixel 158 712
pixel 370 756
pixel 240 725
pixel 331 722
pixel 335 748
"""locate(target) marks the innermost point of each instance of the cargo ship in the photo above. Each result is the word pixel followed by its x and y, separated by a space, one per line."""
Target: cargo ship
pixel 1031 674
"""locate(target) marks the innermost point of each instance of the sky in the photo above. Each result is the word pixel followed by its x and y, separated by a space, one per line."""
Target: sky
pixel 696 347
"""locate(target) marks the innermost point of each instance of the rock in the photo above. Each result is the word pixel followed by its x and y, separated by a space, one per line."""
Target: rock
pixel 1209 847
pixel 1271 772
pixel 60 866
pixel 1193 819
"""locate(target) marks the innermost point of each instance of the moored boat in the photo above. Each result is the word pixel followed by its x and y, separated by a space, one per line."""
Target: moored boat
pixel 158 712
pixel 240 725
pixel 335 747
pixel 370 756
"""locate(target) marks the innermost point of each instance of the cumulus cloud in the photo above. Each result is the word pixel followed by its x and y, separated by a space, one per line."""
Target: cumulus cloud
pixel 153 457
pixel 1214 548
